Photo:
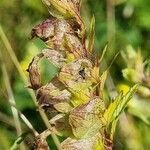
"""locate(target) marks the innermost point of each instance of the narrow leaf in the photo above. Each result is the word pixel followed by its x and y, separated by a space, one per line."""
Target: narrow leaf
pixel 103 78
pixel 18 141
pixel 118 105
pixel 103 53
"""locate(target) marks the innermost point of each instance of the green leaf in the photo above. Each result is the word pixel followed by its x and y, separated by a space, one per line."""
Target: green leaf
pixel 116 107
pixel 113 128
pixel 18 141
pixel 103 78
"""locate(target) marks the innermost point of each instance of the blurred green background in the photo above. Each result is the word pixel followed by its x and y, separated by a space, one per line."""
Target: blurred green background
pixel 119 22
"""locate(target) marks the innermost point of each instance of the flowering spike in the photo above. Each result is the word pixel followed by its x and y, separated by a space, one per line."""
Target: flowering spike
pixel 76 91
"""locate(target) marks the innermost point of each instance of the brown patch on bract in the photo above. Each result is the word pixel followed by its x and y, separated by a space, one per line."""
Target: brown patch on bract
pixel 41 144
pixel 74 45
pixel 34 74
pixel 44 30
pixel 60 35
pixel 53 56
pixel 52 94
pixel 71 71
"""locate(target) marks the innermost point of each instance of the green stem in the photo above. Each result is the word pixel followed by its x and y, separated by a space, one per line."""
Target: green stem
pixel 7 120
pixel 12 100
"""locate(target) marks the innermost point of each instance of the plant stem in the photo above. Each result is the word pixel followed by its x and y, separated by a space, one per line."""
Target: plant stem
pixel 4 118
pixel 12 100
pixel 25 120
